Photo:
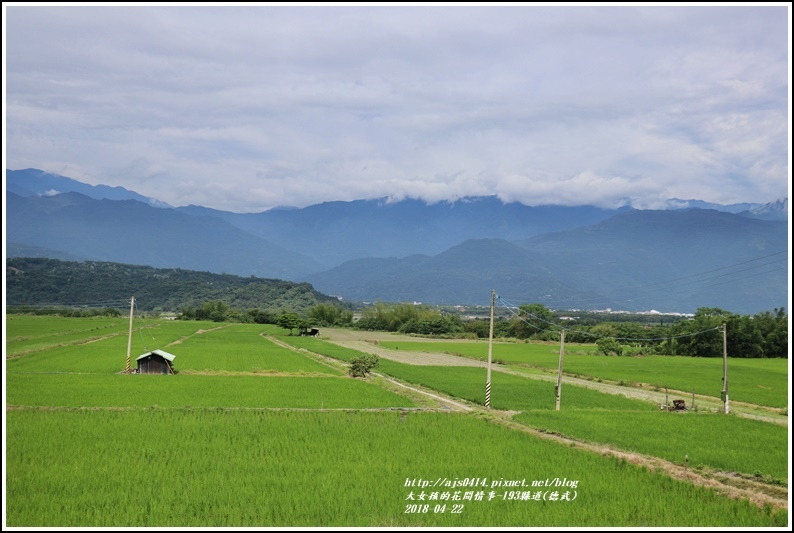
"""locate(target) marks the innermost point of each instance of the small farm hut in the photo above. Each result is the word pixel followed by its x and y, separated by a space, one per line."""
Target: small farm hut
pixel 156 362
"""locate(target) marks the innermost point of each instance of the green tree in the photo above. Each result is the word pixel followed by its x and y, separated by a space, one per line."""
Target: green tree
pixel 744 338
pixel 607 346
pixel 304 325
pixel 187 313
pixel 702 336
pixel 391 318
pixel 774 330
pixel 258 316
pixel 288 321
pixel 535 321
pixel 330 315
pixel 478 326
pixel 363 365
pixel 605 329
pixel 214 310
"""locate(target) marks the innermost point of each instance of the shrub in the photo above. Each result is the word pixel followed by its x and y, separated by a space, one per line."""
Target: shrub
pixel 607 346
pixel 362 365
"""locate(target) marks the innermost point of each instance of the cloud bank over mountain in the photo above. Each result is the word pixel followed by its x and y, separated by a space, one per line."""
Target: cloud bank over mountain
pixel 247 108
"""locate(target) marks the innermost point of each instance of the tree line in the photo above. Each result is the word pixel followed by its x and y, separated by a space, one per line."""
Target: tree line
pixel 33 282
pixel 764 334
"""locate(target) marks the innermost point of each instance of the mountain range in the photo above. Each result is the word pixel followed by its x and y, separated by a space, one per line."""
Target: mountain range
pixel 34 182
pixel 678 259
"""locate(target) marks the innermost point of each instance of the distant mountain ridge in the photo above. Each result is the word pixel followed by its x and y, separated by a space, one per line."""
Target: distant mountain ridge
pixel 34 182
pixel 448 252
pixel 132 232
pixel 672 261
pixel 335 232
pixel 675 259
pixel 463 274
pixel 24 250
pixel 777 210
pixel 677 203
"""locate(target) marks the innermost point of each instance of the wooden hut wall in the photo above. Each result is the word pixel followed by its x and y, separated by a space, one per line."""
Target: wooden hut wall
pixel 154 365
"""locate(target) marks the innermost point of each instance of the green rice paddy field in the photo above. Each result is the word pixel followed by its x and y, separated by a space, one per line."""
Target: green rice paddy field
pixel 714 440
pixel 756 381
pixel 249 433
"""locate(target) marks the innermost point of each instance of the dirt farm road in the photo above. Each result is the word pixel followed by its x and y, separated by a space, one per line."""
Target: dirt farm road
pixel 367 341
pixel 727 483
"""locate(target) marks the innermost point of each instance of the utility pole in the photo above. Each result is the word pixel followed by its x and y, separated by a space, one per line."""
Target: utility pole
pixel 127 369
pixel 559 368
pixel 725 400
pixel 490 352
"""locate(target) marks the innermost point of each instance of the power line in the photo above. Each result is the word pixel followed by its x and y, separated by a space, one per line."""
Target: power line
pixel 606 299
pixel 720 268
pixel 683 288
pixel 715 277
pixel 140 330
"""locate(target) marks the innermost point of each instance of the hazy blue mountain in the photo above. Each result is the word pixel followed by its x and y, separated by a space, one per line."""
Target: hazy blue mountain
pixel 335 232
pixel 33 182
pixel 672 261
pixel 677 203
pixel 132 232
pixel 14 249
pixel 464 274
pixel 777 210
pixel 450 252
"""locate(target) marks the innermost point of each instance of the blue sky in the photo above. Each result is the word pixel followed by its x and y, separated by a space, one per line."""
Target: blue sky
pixel 244 108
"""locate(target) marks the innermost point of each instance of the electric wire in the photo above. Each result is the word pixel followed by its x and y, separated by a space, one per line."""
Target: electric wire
pixel 140 330
pixel 606 299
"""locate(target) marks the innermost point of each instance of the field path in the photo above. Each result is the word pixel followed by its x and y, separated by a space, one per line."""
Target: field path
pixel 444 402
pixel 197 332
pixel 78 342
pixel 366 341
pixel 757 412
pixel 726 483
pixel 411 358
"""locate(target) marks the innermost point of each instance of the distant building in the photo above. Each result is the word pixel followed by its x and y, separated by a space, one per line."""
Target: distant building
pixel 156 362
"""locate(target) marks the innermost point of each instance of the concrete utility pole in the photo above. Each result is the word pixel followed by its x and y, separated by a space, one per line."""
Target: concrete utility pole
pixel 559 368
pixel 127 369
pixel 490 352
pixel 725 399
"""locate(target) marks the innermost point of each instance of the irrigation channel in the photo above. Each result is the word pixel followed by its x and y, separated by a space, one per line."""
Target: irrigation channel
pixel 727 483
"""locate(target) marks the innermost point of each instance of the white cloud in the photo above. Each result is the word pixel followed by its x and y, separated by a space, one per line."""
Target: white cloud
pixel 245 108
